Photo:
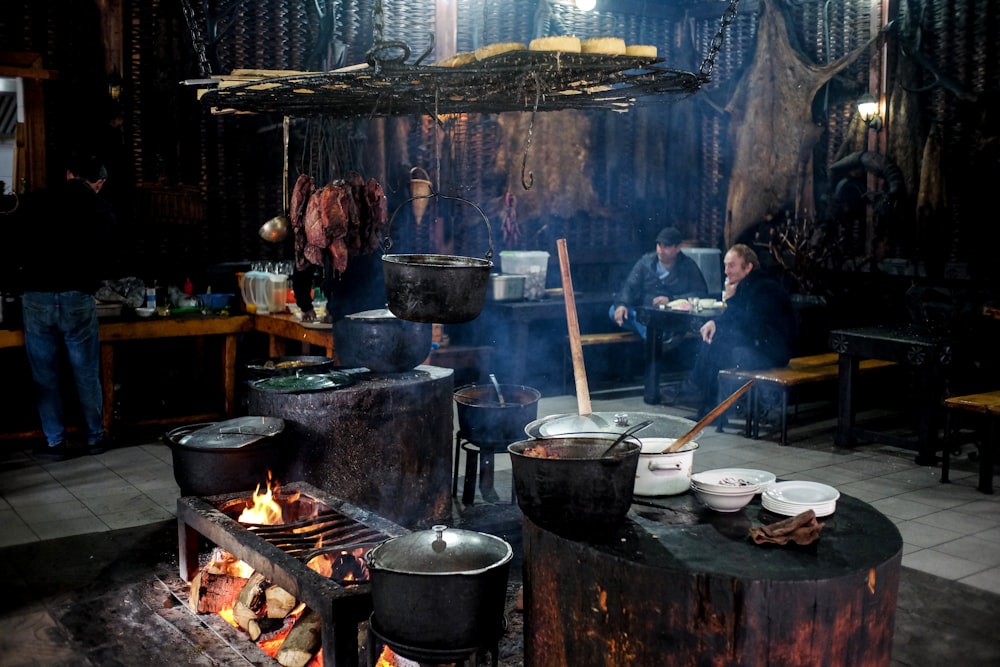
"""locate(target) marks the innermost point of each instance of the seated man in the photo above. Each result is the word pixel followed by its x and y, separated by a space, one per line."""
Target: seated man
pixel 757 329
pixel 656 279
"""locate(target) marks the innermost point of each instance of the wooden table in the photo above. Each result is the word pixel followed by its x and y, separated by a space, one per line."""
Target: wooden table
pixel 660 322
pixel 507 327
pixel 158 328
pixel 929 353
pixel 984 409
pixel 280 328
pixel 678 584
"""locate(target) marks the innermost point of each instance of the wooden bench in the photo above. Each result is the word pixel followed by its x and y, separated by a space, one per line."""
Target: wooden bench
pixel 986 406
pixel 771 386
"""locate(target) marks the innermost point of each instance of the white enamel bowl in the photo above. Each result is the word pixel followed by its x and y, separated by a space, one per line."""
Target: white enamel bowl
pixel 724 502
pixel 732 480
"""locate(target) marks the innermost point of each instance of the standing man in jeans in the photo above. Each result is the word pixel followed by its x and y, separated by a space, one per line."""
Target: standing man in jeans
pixel 65 252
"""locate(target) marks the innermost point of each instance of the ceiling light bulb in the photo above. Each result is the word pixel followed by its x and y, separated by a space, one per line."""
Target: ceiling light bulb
pixel 586 5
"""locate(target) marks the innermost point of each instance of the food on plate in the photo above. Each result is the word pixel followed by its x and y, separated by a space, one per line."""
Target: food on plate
pixel 458 60
pixel 567 43
pixel 641 50
pixel 490 50
pixel 680 304
pixel 611 46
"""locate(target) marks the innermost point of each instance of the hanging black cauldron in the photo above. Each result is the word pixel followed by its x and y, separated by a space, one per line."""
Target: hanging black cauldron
pixel 443 289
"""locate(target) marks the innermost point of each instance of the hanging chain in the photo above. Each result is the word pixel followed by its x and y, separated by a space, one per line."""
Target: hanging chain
pixel 378 23
pixel 526 183
pixel 708 65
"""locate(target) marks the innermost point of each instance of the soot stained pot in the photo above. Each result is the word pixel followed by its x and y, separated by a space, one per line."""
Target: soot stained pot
pixel 214 458
pixel 447 289
pixel 483 420
pixel 440 589
pixel 575 488
pixel 381 342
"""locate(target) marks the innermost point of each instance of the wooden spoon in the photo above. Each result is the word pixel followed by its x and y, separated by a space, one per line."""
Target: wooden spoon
pixel 707 419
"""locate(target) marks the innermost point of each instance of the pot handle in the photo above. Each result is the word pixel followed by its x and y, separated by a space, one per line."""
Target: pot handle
pixel 387 241
pixel 672 466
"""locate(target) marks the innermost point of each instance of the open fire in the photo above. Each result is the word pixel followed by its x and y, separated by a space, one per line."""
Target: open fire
pixel 285 605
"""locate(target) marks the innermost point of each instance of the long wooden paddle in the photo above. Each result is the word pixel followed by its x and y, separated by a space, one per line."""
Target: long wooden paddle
pixel 575 346
pixel 707 419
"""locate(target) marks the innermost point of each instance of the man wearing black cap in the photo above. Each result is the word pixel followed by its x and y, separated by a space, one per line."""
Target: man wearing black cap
pixel 656 279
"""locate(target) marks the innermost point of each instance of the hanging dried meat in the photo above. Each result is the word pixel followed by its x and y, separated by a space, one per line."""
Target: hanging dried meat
pixel 345 217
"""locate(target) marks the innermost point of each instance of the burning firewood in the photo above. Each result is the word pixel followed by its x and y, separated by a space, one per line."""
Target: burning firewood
pixel 249 603
pixel 266 629
pixel 280 602
pixel 302 642
pixel 211 593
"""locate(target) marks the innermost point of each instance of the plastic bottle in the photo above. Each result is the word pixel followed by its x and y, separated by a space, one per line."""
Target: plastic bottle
pixel 151 297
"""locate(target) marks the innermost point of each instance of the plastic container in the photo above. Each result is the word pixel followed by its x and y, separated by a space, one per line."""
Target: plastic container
pixel 507 287
pixel 278 294
pixel 532 264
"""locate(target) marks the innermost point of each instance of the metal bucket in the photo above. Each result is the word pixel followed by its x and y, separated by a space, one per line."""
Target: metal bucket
pixel 442 289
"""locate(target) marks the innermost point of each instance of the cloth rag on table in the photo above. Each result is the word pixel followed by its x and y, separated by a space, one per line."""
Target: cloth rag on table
pixel 801 529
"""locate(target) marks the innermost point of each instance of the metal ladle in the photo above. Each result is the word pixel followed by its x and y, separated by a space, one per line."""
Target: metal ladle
pixel 496 385
pixel 626 433
pixel 276 229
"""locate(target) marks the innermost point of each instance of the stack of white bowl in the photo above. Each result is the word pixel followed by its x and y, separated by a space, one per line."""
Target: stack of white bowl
pixel 794 497
pixel 729 489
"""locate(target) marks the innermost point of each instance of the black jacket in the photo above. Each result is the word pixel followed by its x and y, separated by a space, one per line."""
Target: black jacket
pixel 66 239
pixel 759 315
pixel 642 284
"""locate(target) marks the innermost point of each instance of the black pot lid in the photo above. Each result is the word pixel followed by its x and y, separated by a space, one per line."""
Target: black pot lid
pixel 441 551
pixel 300 384
pixel 233 433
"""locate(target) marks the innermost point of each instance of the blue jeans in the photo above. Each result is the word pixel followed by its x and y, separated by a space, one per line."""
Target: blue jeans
pixel 54 321
pixel 630 323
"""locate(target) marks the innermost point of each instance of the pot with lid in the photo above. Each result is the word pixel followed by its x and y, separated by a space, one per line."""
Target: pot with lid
pixel 214 458
pixel 442 589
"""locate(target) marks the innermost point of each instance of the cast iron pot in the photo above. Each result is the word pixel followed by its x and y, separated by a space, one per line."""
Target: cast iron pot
pixel 575 488
pixel 440 589
pixel 214 458
pixel 381 342
pixel 483 420
pixel 259 369
pixel 444 289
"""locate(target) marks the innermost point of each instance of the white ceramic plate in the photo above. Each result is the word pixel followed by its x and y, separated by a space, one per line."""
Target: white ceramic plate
pixel 801 493
pixel 723 479
pixel 821 509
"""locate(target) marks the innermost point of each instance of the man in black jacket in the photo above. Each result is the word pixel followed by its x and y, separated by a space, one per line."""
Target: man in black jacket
pixel 65 255
pixel 656 279
pixel 757 329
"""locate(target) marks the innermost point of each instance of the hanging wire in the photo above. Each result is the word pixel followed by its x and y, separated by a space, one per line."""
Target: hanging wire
pixel 526 184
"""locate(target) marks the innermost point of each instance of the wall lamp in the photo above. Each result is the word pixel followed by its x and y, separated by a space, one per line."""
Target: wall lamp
pixel 868 110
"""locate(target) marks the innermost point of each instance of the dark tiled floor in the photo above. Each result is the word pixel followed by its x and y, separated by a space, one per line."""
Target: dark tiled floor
pixel 82 539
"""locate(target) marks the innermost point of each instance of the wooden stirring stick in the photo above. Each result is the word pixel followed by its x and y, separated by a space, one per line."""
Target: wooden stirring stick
pixel 575 346
pixel 707 419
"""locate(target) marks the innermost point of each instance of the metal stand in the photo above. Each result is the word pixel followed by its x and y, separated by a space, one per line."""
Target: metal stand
pixel 478 464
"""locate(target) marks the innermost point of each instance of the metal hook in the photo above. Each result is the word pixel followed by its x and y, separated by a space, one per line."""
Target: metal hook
pixel 527 183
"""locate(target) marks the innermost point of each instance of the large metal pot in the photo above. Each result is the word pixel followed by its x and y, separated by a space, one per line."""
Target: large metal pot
pixel 214 458
pixel 663 426
pixel 483 420
pixel 444 289
pixel 381 342
pixel 441 589
pixel 575 488
pixel 436 288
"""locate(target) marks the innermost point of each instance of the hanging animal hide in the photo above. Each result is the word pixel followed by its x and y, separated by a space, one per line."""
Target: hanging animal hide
pixel 771 126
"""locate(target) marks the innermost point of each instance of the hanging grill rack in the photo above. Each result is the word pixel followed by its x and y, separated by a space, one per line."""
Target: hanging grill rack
pixel 507 82
pixel 512 81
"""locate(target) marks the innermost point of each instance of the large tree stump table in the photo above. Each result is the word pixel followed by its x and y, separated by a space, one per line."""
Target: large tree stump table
pixel 679 584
